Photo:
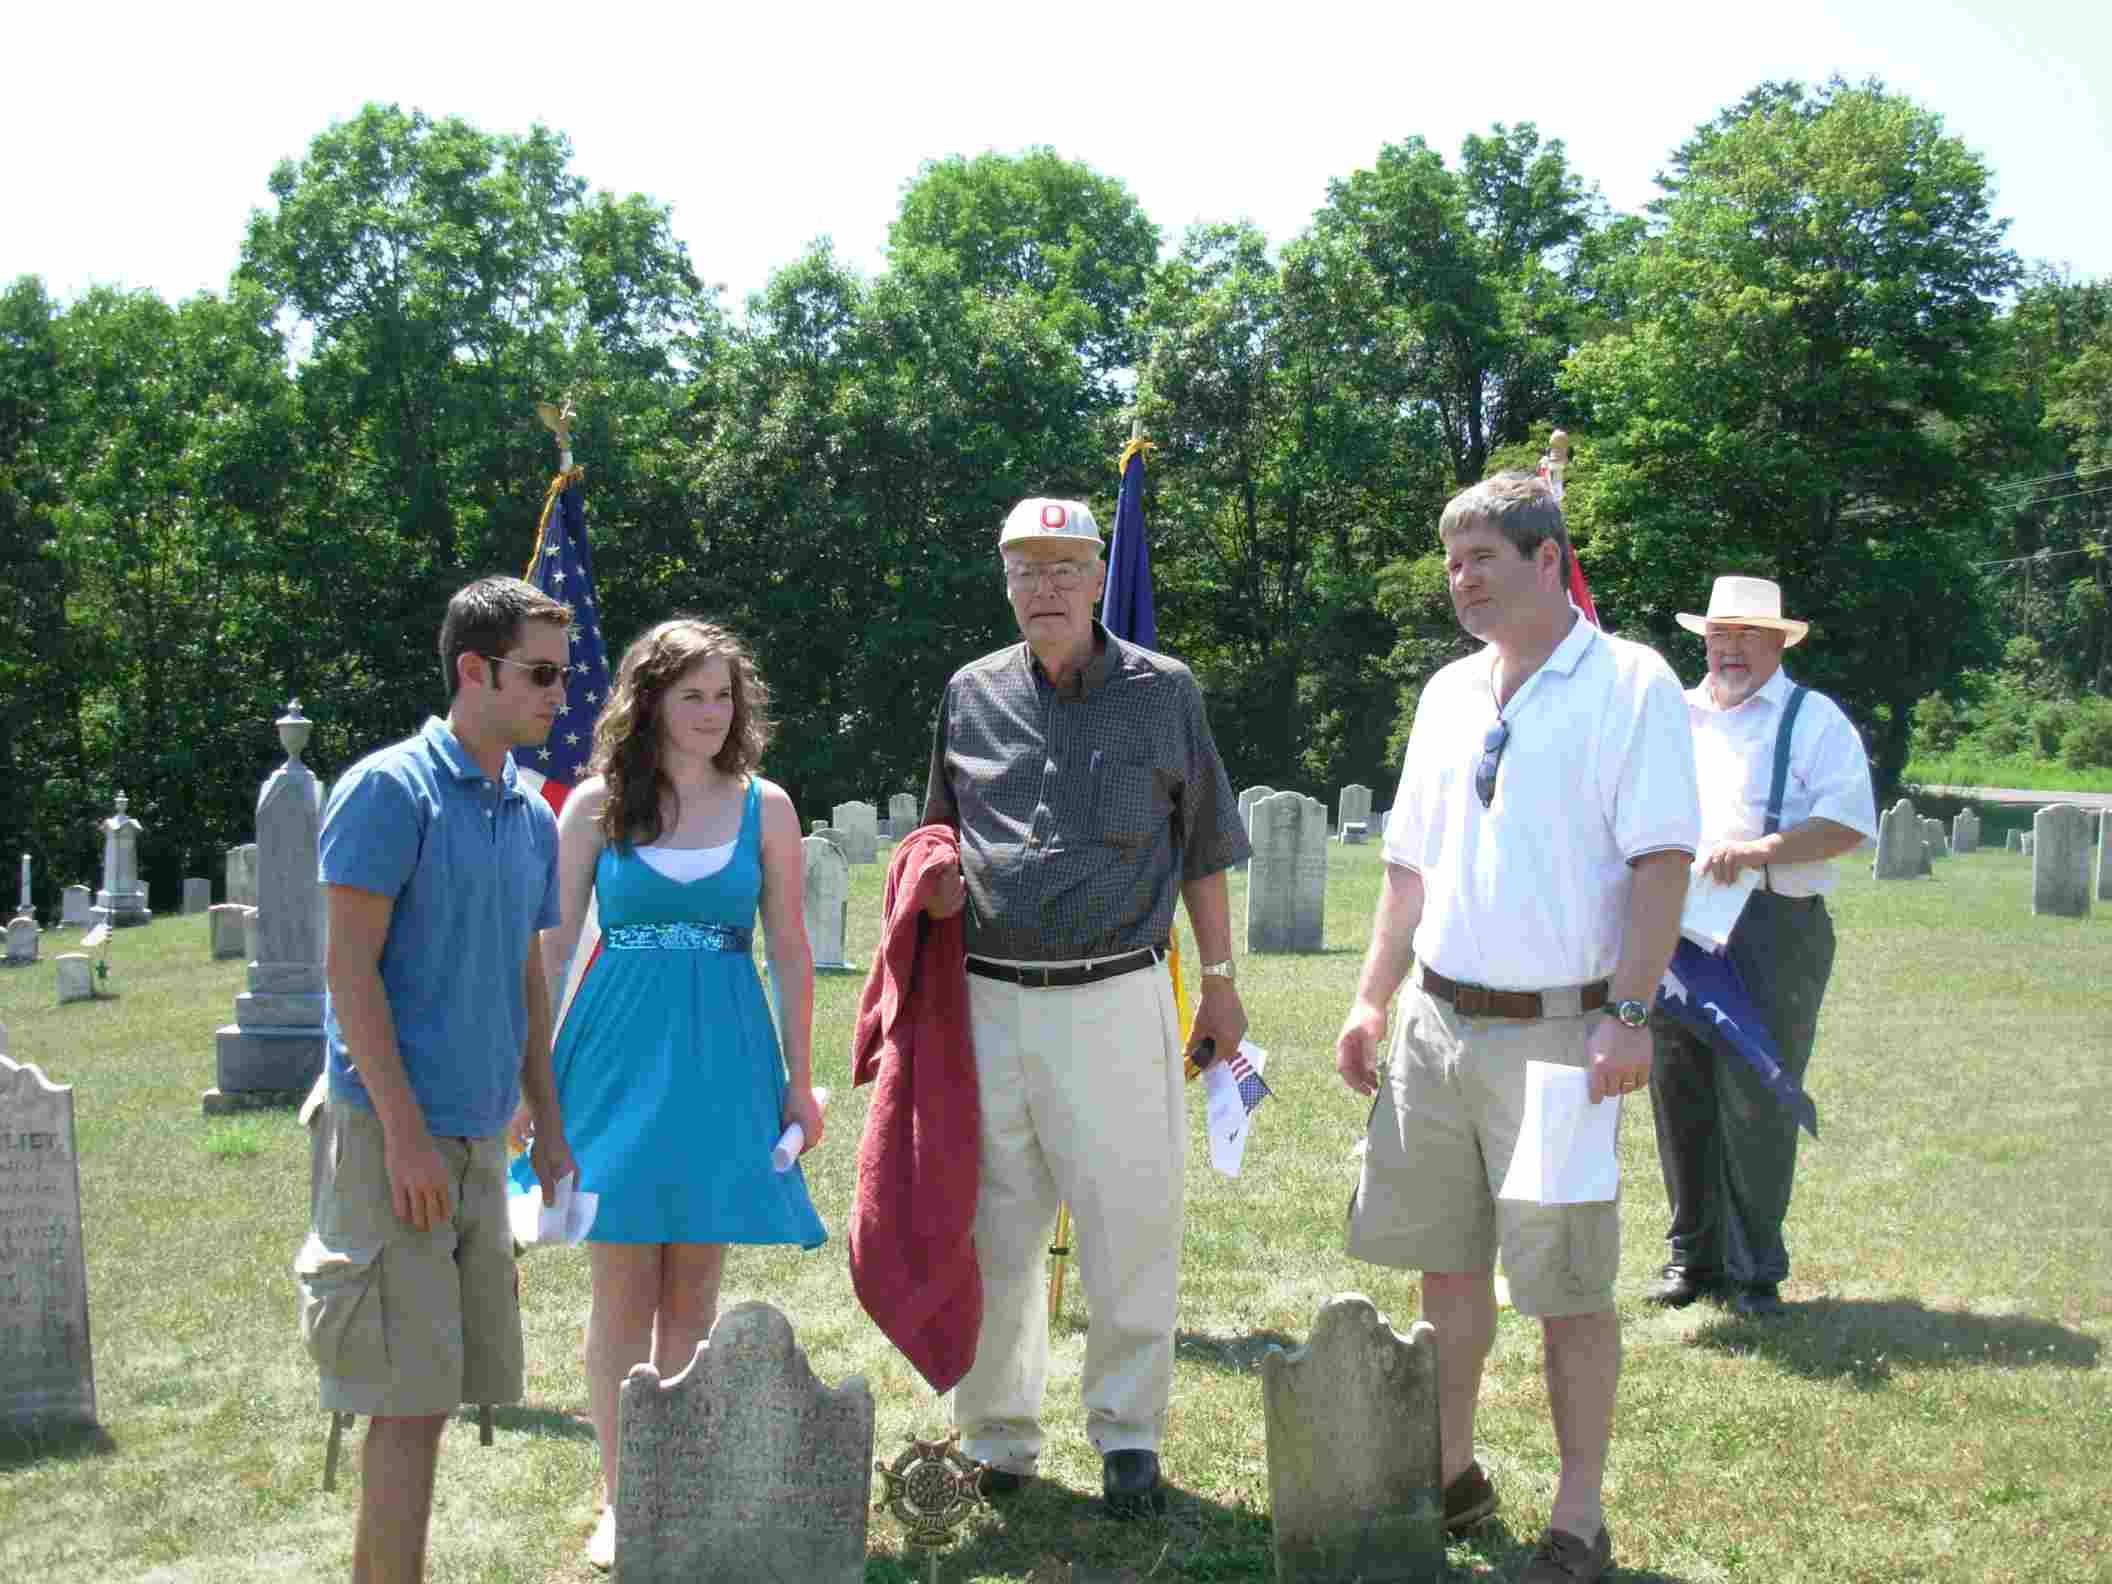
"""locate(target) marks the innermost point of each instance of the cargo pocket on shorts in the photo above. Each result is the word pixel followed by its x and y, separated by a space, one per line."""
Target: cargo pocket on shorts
pixel 1592 1246
pixel 341 1311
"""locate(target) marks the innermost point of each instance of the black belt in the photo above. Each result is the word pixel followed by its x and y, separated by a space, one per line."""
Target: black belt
pixel 1064 976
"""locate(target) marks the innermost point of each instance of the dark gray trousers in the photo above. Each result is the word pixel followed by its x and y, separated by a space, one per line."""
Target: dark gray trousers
pixel 1728 1148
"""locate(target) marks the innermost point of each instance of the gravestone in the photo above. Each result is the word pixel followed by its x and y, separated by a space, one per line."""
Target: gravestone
pixel 225 930
pixel 1901 852
pixel 21 940
pixel 272 1051
pixel 2104 855
pixel 122 900
pixel 1247 800
pixel 1353 834
pixel 27 903
pixel 1355 1475
pixel 904 814
pixel 1287 890
pixel 2028 846
pixel 824 831
pixel 242 874
pixel 197 895
pixel 859 823
pixel 1353 804
pixel 1932 833
pixel 827 902
pixel 1965 833
pixel 2060 862
pixel 75 903
pixel 47 1372
pixel 76 977
pixel 744 1466
pixel 2013 842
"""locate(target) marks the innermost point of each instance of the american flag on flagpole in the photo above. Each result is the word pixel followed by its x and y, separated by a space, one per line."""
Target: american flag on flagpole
pixel 563 568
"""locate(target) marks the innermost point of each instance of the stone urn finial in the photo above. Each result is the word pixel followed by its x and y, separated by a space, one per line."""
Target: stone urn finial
pixel 293 730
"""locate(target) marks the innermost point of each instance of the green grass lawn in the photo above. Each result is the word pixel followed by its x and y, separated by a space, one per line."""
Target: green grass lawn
pixel 1938 1406
pixel 1973 769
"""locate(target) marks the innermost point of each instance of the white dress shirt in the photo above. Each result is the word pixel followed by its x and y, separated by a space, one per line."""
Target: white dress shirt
pixel 1829 777
pixel 1528 894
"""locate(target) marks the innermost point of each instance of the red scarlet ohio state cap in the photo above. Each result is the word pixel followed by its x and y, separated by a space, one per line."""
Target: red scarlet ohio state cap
pixel 1039 518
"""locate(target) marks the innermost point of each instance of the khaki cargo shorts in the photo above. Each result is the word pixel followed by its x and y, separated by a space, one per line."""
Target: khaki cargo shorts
pixel 1437 1148
pixel 406 1323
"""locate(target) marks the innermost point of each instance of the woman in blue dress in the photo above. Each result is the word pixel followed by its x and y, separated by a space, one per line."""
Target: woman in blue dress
pixel 670 1077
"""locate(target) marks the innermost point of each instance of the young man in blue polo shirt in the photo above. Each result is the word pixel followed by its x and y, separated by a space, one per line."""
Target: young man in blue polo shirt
pixel 439 868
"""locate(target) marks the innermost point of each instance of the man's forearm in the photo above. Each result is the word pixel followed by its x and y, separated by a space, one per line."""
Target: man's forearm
pixel 1814 841
pixel 1657 894
pixel 1393 925
pixel 1209 915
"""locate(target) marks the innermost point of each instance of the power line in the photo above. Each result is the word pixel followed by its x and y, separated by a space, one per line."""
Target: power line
pixel 2049 500
pixel 2039 555
pixel 2054 478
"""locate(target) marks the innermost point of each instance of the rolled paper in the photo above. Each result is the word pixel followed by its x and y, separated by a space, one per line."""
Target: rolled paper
pixel 794 1139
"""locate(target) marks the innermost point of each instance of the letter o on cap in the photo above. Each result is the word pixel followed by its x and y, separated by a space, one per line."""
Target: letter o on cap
pixel 1052 515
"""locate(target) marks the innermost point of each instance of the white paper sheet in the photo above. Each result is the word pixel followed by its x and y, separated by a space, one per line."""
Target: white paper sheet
pixel 1224 1113
pixel 794 1139
pixel 566 1221
pixel 1565 1145
pixel 1713 908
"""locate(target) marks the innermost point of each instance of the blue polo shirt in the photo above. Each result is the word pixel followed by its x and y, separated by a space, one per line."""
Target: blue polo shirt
pixel 472 869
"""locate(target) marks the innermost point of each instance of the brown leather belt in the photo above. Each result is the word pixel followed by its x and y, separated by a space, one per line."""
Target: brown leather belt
pixel 1064 976
pixel 1480 1001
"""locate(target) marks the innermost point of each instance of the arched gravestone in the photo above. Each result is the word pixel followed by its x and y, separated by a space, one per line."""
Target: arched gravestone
pixel 827 901
pixel 47 1369
pixel 860 825
pixel 1287 887
pixel 1247 800
pixel 1902 853
pixel 2060 862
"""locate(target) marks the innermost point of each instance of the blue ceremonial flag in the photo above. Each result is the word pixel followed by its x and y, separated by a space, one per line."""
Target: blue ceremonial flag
pixel 1126 605
pixel 1702 991
pixel 563 568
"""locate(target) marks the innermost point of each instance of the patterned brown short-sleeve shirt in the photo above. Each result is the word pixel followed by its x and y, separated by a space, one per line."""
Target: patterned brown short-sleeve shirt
pixel 1081 813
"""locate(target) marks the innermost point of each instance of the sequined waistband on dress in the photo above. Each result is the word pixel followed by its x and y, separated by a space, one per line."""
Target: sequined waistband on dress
pixel 681 936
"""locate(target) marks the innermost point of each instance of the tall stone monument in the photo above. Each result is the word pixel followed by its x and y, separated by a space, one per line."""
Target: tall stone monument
pixel 744 1466
pixel 2060 862
pixel 273 1050
pixel 1287 890
pixel 827 901
pixel 28 903
pixel 47 1371
pixel 1355 1476
pixel 860 825
pixel 122 900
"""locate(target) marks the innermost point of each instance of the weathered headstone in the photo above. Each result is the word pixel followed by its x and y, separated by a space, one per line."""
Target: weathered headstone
pixel 224 929
pixel 1287 890
pixel 242 874
pixel 1247 800
pixel 1901 852
pixel 1353 834
pixel 744 1466
pixel 2029 847
pixel 827 901
pixel 76 977
pixel 272 1051
pixel 22 936
pixel 1965 832
pixel 1353 805
pixel 122 900
pixel 859 823
pixel 904 813
pixel 1932 833
pixel 2104 855
pixel 1355 1473
pixel 2060 862
pixel 822 830
pixel 75 903
pixel 2013 842
pixel 197 895
pixel 47 1372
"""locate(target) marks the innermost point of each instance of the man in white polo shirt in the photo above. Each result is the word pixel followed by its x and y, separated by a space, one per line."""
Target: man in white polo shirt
pixel 1536 864
pixel 1785 789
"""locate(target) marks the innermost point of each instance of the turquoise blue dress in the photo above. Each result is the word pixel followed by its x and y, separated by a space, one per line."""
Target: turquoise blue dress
pixel 669 1077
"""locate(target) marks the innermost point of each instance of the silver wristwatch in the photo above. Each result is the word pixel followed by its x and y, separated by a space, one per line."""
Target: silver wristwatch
pixel 1218 970
pixel 1633 1014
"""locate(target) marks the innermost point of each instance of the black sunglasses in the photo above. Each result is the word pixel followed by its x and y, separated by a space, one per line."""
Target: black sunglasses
pixel 1491 757
pixel 540 672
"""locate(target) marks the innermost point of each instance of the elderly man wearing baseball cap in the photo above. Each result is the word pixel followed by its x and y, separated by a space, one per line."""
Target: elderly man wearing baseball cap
pixel 1080 774
pixel 1785 790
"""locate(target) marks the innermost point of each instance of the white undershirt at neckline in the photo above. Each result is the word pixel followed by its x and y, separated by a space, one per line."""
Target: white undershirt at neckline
pixel 684 864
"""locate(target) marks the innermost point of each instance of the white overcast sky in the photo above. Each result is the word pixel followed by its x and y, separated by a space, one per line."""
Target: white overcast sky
pixel 143 135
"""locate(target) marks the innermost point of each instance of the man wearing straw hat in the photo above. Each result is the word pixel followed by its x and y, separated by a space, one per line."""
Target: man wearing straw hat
pixel 1785 790
pixel 1080 773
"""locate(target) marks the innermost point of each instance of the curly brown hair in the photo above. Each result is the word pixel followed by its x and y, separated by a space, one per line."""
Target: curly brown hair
pixel 627 737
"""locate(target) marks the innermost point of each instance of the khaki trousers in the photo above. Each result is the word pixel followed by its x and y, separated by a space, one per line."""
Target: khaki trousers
pixel 1081 1103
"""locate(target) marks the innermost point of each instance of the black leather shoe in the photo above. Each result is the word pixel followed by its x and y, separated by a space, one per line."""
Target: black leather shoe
pixel 1676 1287
pixel 1760 1301
pixel 1130 1481
pixel 1003 1482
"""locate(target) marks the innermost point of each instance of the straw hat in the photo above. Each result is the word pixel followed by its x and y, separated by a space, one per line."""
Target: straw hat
pixel 1747 602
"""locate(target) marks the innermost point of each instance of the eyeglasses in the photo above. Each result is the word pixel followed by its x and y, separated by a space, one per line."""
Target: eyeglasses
pixel 1491 757
pixel 541 673
pixel 1061 575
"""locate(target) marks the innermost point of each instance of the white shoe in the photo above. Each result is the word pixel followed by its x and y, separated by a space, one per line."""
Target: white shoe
pixel 601 1550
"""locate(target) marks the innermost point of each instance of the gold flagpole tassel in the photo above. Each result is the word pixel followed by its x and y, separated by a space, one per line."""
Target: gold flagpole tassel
pixel 1059 1251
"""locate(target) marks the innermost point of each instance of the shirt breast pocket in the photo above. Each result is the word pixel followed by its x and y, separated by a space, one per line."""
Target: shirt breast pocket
pixel 1130 803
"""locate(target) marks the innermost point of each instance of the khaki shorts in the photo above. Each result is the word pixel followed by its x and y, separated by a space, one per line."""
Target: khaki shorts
pixel 401 1322
pixel 1439 1144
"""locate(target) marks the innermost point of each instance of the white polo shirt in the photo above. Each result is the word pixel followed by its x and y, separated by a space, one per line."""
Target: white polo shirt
pixel 1528 893
pixel 1829 776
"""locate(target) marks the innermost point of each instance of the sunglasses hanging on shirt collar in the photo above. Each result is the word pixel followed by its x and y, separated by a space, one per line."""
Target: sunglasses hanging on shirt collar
pixel 1491 757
